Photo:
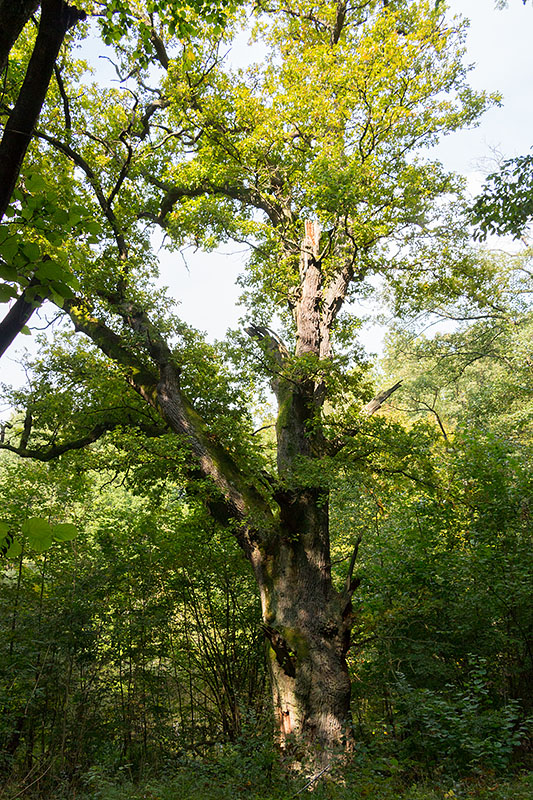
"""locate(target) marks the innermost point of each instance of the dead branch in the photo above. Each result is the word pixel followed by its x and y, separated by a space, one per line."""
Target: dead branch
pixel 376 403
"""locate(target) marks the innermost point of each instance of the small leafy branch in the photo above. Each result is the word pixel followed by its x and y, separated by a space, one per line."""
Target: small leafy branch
pixel 40 535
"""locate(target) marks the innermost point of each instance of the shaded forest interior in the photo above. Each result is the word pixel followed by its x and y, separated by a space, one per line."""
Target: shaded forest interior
pixel 133 652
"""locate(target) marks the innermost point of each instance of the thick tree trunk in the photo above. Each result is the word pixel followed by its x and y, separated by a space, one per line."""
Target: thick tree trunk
pixel 305 620
pixel 307 624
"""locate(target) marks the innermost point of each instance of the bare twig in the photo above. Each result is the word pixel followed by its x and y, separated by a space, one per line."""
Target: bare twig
pixel 313 780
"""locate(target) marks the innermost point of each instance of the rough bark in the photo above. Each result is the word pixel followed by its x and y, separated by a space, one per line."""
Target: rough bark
pixel 307 624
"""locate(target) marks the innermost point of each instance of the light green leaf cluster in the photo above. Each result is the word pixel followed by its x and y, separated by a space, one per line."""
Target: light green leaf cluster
pixel 41 534
pixel 321 130
pixel 37 532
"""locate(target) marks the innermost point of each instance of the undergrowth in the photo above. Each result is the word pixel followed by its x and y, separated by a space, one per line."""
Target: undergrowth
pixel 216 782
pixel 194 784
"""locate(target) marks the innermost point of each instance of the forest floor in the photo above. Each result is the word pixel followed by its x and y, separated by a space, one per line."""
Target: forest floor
pixel 203 785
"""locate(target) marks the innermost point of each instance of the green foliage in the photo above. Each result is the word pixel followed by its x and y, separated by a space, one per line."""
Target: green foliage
pixel 39 218
pixel 319 131
pixel 142 631
pixel 41 534
pixel 365 778
pixel 31 534
pixel 179 18
pixel 443 607
pixel 459 726
pixel 506 203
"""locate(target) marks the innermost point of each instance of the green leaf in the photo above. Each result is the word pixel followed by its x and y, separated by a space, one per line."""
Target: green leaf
pixel 31 251
pixel 4 528
pixel 9 248
pixel 35 526
pixel 8 273
pixel 14 550
pixel 7 292
pixel 53 236
pixel 50 271
pixel 60 216
pixel 35 183
pixel 58 299
pixel 39 533
pixel 40 544
pixel 73 282
pixel 61 289
pixel 64 532
pixel 92 226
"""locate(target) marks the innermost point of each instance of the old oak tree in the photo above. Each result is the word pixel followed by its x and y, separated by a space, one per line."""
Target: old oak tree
pixel 317 157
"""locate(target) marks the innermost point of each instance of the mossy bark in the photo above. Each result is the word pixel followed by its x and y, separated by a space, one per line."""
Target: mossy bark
pixel 307 624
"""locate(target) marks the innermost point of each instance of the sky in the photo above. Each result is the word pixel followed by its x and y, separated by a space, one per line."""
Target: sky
pixel 499 47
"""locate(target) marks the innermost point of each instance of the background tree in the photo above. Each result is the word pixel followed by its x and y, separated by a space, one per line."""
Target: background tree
pixel 133 645
pixel 459 543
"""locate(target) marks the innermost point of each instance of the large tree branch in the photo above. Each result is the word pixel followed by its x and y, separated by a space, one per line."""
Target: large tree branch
pixel 151 109
pixel 64 98
pixel 276 355
pixel 214 461
pixel 14 15
pixel 56 18
pixel 163 392
pixel 273 344
pixel 243 194
pixel 141 377
pixel 339 22
pixel 104 202
pixel 374 405
pixel 49 452
pixel 18 316
pixel 377 401
pixel 54 451
pixel 335 294
pixel 160 49
pixel 352 583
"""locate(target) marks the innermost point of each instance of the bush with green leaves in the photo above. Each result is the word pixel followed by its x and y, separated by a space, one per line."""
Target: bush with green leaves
pixel 459 727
